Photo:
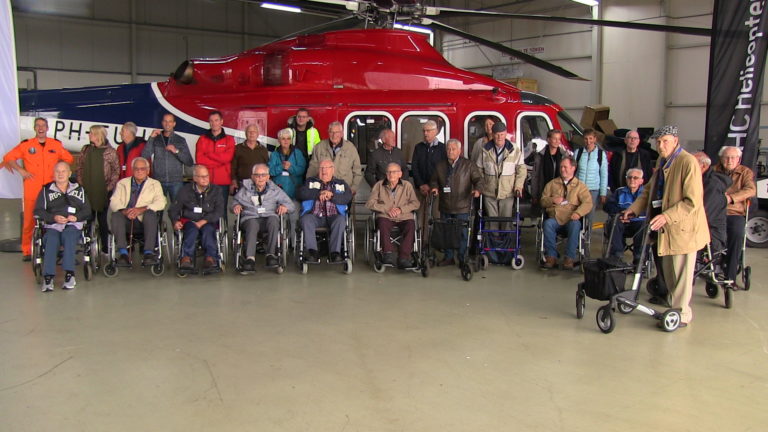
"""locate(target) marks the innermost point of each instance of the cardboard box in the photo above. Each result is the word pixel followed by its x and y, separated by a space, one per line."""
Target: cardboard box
pixel 593 114
pixel 606 126
pixel 524 84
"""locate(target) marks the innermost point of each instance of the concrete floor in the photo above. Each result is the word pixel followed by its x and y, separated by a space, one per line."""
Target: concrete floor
pixel 367 352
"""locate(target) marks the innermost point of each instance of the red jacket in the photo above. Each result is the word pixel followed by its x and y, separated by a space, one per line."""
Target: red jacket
pixel 126 169
pixel 216 154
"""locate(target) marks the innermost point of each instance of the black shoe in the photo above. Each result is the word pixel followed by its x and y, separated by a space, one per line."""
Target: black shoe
pixel 388 258
pixel 123 260
pixel 336 258
pixel 271 262
pixel 249 266
pixel 150 259
pixel 186 263
pixel 404 263
pixel 311 256
pixel 26 258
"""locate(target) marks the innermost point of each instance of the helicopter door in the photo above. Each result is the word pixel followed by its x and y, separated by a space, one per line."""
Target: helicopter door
pixel 532 128
pixel 411 124
pixel 363 129
pixel 474 128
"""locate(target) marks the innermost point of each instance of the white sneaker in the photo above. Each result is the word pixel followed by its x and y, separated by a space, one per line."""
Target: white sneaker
pixel 69 282
pixel 47 284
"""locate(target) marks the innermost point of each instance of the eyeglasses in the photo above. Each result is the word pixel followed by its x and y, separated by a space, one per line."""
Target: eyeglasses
pixel 260 175
pixel 141 168
pixel 394 172
pixel 633 178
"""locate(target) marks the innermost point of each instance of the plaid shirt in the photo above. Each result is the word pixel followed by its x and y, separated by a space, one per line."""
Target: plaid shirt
pixel 325 208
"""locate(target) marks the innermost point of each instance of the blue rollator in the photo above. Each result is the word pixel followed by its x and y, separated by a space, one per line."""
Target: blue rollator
pixel 500 245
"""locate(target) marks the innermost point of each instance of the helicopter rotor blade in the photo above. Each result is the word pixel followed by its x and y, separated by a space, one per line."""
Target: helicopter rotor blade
pixel 344 23
pixel 451 13
pixel 547 66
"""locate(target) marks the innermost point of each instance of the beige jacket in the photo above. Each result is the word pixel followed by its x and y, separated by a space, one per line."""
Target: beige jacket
pixel 742 189
pixel 576 194
pixel 382 200
pixel 347 162
pixel 682 204
pixel 151 195
pixel 502 178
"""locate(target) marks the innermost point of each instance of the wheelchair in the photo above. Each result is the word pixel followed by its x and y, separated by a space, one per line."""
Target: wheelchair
pixel 136 240
pixel 373 254
pixel 88 248
pixel 238 244
pixel 221 245
pixel 323 235
pixel 584 240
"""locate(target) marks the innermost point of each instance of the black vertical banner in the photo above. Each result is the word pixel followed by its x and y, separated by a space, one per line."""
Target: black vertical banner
pixel 736 64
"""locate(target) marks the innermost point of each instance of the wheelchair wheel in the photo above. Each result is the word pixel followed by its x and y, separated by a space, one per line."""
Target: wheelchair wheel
pixel 728 297
pixel 466 272
pixel 518 262
pixel 605 321
pixel 348 266
pixel 711 290
pixel 157 269
pixel 746 277
pixel 424 270
pixel 88 270
pixel 110 270
pixel 368 246
pixel 304 267
pixel 670 320
pixel 581 301
pixel 378 266
pixel 483 262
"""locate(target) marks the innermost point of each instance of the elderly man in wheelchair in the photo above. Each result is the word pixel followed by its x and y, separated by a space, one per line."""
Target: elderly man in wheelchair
pixel 619 201
pixel 196 213
pixel 325 200
pixel 63 209
pixel 260 204
pixel 393 201
pixel 566 200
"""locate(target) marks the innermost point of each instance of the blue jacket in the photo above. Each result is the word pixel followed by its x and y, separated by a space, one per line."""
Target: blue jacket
pixel 295 173
pixel 592 173
pixel 310 191
pixel 621 200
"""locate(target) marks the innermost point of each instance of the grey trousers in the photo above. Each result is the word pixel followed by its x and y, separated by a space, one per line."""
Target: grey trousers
pixel 337 224
pixel 121 229
pixel 252 228
pixel 498 208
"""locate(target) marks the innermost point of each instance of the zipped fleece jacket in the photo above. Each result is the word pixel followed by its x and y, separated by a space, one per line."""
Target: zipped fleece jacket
pixel 216 153
pixel 166 166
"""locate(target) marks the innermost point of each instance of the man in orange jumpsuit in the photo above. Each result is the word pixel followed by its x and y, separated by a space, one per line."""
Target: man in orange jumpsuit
pixel 39 155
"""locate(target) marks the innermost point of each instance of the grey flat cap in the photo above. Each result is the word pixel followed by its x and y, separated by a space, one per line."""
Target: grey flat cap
pixel 665 130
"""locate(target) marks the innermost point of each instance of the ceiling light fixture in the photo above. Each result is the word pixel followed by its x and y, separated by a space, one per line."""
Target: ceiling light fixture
pixel 281 7
pixel 588 2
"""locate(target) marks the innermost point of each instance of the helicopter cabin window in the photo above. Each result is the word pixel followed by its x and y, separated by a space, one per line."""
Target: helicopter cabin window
pixel 533 128
pixel 411 131
pixel 363 131
pixel 571 130
pixel 475 129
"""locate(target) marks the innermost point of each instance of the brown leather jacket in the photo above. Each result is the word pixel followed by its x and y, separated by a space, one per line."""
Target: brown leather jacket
pixel 383 200
pixel 742 189
pixel 465 178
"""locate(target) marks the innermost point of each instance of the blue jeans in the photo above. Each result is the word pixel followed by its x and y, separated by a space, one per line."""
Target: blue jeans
pixel 208 240
pixel 52 240
pixel 552 228
pixel 171 189
pixel 463 245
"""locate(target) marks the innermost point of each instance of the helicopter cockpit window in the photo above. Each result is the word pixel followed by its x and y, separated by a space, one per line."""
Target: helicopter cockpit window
pixel 363 131
pixel 571 130
pixel 411 131
pixel 476 129
pixel 533 129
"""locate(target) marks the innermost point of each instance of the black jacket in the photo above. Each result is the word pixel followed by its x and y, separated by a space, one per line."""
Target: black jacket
pixel 618 167
pixel 715 185
pixel 424 161
pixel 52 202
pixel 377 164
pixel 464 178
pixel 210 204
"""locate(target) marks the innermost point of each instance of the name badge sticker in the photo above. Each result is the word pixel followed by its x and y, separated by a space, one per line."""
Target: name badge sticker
pixel 314 185
pixel 197 210
pixel 285 173
pixel 656 204
pixel 447 189
pixel 71 210
pixel 340 188
pixel 260 210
